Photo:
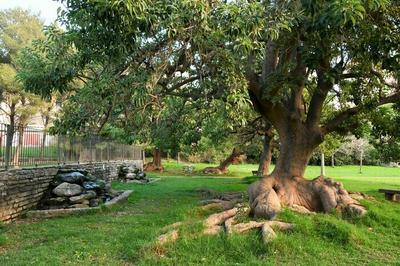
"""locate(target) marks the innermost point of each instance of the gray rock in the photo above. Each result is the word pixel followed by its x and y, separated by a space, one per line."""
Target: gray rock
pixel 73 177
pixel 67 190
pixel 141 175
pixel 130 176
pixel 65 171
pixel 86 196
pixel 95 202
pixel 55 201
pixel 92 185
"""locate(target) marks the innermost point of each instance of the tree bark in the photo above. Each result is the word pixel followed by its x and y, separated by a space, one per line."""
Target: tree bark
pixel 155 165
pixel 157 157
pixel 223 166
pixel 18 150
pixel 286 186
pixel 266 156
pixel 10 136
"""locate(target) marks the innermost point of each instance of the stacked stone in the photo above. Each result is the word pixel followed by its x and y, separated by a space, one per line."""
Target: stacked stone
pixel 132 174
pixel 76 188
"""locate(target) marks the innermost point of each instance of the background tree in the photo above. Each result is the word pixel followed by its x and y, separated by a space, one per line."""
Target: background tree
pixel 385 133
pixel 18 28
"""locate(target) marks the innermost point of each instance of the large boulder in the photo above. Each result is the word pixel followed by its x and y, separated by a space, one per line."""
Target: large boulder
pixel 72 177
pixel 65 171
pixel 57 201
pixel 67 190
pixel 86 196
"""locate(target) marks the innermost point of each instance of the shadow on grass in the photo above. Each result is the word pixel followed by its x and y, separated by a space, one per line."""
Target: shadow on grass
pixel 250 179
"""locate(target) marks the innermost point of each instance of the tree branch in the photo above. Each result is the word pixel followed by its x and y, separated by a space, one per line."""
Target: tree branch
pixel 334 124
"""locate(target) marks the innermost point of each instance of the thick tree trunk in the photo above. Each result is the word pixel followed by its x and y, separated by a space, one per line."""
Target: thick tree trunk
pixel 223 166
pixel 286 186
pixel 155 165
pixel 266 156
pixel 157 157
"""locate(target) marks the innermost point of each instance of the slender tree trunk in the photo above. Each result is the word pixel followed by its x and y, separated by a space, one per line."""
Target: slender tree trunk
pixel 361 160
pixel 18 150
pixel 322 164
pixel 223 166
pixel 44 136
pixel 266 156
pixel 9 140
pixel 178 157
pixel 333 160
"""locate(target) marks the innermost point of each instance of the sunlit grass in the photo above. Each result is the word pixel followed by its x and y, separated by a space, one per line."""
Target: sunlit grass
pixel 125 235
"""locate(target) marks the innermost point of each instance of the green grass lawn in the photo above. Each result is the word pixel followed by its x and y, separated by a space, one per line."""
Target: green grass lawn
pixel 125 235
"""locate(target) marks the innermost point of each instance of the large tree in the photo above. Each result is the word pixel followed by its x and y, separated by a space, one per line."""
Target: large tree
pixel 291 57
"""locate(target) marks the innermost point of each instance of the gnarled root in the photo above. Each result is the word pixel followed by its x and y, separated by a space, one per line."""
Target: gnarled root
pixel 225 221
pixel 214 171
pixel 151 167
pixel 213 223
pixel 223 201
pixel 171 236
pixel 270 194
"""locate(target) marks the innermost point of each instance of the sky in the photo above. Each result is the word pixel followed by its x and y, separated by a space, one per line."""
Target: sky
pixel 46 8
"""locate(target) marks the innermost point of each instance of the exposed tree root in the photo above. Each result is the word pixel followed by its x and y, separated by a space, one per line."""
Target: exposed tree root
pixel 217 219
pixel 223 205
pixel 268 234
pixel 171 226
pixel 171 236
pixel 225 221
pixel 270 194
pixel 151 167
pixel 301 209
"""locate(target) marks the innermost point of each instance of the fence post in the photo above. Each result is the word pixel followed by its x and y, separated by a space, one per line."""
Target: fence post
pixel 90 148
pixel 58 150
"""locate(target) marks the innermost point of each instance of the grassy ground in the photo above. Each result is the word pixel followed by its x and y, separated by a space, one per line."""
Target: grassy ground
pixel 125 235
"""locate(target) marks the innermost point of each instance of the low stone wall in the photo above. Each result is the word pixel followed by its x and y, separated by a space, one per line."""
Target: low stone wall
pixel 21 189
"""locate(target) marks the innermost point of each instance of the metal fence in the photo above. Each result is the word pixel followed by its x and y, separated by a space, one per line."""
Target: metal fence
pixel 26 146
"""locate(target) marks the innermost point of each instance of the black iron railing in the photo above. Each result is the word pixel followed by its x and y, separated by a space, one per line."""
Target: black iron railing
pixel 27 147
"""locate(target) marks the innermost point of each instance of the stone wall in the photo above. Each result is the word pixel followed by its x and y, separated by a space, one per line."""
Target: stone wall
pixel 21 189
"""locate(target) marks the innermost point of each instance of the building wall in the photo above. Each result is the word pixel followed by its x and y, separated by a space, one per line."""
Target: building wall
pixel 21 189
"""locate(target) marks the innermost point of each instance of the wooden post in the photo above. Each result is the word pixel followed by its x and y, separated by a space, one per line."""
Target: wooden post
pixel 322 164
